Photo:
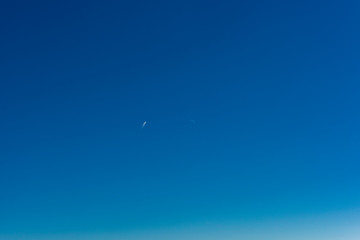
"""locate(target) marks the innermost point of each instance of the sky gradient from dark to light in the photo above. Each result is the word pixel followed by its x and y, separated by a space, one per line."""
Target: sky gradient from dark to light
pixel 251 108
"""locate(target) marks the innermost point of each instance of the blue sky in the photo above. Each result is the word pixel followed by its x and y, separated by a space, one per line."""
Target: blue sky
pixel 251 108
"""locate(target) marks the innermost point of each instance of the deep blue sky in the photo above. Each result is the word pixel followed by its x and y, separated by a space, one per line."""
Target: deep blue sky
pixel 252 111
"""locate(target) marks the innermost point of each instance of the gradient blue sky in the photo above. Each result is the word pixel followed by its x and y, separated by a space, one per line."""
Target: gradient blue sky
pixel 252 111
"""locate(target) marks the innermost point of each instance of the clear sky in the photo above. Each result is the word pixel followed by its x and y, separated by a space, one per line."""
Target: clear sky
pixel 251 109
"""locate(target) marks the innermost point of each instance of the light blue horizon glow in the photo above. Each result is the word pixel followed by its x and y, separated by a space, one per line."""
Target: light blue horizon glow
pixel 331 226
